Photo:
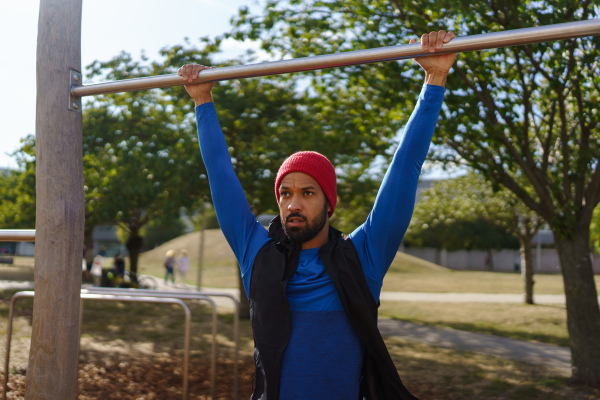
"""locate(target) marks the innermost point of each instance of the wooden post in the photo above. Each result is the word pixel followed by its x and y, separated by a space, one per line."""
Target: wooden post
pixel 53 358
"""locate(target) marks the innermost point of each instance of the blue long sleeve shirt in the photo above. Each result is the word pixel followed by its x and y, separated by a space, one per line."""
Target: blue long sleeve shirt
pixel 323 358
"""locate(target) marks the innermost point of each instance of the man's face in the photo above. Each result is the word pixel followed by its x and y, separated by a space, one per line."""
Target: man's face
pixel 304 209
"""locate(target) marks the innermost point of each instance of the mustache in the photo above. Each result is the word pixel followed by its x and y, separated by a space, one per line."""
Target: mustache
pixel 295 215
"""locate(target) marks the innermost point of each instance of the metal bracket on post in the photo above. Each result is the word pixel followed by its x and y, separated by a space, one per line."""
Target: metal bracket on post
pixel 75 80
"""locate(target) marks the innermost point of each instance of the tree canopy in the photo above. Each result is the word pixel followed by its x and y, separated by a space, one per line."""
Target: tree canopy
pixel 17 188
pixel 143 163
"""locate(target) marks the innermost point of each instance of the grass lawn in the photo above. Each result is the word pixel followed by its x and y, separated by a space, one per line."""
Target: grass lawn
pixel 541 323
pixel 445 374
pixel 407 273
pixel 411 274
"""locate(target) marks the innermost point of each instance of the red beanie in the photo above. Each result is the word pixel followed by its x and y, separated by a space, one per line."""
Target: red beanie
pixel 315 165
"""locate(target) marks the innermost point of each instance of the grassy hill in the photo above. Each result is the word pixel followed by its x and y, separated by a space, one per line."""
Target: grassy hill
pixel 219 269
pixel 219 264
pixel 407 273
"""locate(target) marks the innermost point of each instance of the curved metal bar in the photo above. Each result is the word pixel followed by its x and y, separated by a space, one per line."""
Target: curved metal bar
pixel 8 339
pixel 17 235
pixel 484 41
pixel 109 297
pixel 176 295
pixel 192 294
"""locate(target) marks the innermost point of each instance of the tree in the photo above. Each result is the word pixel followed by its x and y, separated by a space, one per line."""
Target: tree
pixel 470 199
pixel 523 117
pixel 17 189
pixel 146 166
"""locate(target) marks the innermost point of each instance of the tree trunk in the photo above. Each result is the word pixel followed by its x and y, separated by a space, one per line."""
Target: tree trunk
pixel 583 314
pixel 527 270
pixel 244 303
pixel 134 245
pixel 53 357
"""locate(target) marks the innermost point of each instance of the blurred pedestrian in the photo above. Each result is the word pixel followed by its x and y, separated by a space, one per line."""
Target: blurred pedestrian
pixel 96 270
pixel 119 265
pixel 170 265
pixel 183 264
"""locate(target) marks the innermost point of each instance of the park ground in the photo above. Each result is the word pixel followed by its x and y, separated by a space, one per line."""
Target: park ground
pixel 134 351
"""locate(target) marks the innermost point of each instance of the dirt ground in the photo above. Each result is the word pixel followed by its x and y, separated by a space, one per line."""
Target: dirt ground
pixel 145 377
pixel 135 351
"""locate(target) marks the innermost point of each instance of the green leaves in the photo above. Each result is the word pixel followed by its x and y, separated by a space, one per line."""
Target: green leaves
pixel 467 213
pixel 522 116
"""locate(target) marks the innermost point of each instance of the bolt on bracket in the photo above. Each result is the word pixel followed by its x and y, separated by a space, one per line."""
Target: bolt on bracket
pixel 75 80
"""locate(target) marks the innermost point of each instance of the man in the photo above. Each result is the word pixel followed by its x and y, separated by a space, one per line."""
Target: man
pixel 314 294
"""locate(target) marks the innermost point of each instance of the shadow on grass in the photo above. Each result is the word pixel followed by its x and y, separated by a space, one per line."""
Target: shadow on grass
pixel 438 373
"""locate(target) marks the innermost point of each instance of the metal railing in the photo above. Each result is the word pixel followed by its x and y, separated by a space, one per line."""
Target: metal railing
pixel 484 41
pixel 112 297
pixel 191 295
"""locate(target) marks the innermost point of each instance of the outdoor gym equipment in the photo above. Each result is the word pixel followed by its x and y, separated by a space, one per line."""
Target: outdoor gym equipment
pixel 193 295
pixel 109 297
pixel 23 235
pixel 457 45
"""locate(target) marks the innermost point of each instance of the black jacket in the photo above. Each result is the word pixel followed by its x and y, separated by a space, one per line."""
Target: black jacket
pixel 275 264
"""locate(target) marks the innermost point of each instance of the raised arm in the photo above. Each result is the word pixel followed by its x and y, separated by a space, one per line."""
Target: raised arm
pixel 378 239
pixel 244 234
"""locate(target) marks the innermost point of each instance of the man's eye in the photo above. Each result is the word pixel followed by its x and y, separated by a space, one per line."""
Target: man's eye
pixel 308 193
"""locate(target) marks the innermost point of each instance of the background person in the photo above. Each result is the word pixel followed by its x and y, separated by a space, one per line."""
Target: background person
pixel 183 264
pixel 169 266
pixel 313 293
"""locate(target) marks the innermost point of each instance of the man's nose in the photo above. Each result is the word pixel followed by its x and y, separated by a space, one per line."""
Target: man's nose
pixel 295 204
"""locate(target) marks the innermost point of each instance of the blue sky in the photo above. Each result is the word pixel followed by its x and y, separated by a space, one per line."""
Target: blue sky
pixel 108 27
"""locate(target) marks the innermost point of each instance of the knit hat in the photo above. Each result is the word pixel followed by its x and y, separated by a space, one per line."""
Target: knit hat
pixel 315 165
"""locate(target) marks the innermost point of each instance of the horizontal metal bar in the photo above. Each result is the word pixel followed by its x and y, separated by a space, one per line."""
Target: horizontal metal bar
pixel 17 235
pixel 484 41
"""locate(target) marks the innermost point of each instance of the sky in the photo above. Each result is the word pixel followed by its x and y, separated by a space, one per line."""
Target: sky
pixel 108 27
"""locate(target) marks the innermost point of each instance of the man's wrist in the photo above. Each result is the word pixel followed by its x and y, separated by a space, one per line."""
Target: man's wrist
pixel 203 99
pixel 436 77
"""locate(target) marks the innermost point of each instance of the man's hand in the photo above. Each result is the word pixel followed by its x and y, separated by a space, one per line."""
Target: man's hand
pixel 200 92
pixel 436 67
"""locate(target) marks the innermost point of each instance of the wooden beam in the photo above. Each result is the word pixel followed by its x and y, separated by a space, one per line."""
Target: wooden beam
pixel 53 358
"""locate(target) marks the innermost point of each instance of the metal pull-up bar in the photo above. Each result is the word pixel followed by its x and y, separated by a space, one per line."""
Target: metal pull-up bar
pixel 17 235
pixel 463 44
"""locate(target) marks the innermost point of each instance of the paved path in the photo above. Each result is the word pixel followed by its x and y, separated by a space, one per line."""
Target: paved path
pixel 520 350
pixel 471 297
pixel 530 352
pixel 19 285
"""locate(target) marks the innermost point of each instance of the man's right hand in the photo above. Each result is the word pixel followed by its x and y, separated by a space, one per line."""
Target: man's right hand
pixel 201 93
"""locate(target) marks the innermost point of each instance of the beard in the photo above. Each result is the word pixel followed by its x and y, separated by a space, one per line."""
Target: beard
pixel 309 231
